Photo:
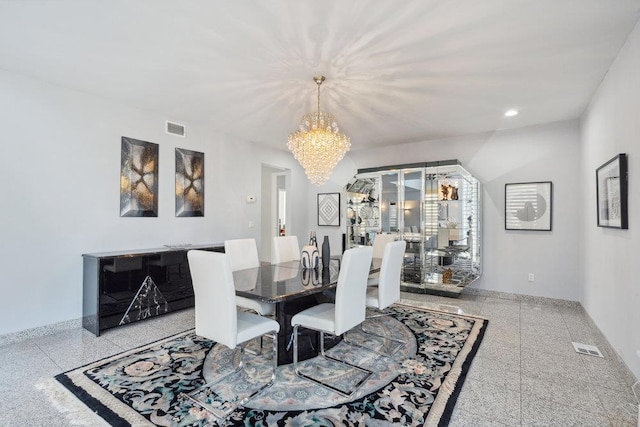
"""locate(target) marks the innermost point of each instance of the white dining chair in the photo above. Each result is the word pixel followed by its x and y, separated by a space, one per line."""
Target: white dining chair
pixel 285 248
pixel 337 318
pixel 243 254
pixel 388 290
pixel 217 319
pixel 379 243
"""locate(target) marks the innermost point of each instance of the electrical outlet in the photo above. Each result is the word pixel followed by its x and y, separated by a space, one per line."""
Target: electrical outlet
pixel 638 353
pixel 532 277
pixel 251 224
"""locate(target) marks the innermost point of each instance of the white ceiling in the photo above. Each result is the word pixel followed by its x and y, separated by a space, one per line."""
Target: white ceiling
pixel 397 71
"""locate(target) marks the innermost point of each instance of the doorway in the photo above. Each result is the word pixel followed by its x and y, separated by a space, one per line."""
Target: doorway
pixel 276 212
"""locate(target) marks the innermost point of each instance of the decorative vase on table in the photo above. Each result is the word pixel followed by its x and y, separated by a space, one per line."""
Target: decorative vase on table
pixel 326 252
pixel 309 257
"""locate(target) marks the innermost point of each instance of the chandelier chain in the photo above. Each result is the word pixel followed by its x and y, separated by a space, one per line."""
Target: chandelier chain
pixel 319 82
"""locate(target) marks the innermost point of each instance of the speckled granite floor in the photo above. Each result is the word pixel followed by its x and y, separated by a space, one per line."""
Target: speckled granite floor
pixel 526 372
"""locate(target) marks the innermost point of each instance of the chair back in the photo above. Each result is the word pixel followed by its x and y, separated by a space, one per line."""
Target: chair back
pixel 246 280
pixel 285 248
pixel 380 242
pixel 215 296
pixel 389 282
pixel 351 291
pixel 243 253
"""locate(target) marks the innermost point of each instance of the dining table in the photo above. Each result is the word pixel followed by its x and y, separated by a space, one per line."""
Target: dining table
pixel 292 289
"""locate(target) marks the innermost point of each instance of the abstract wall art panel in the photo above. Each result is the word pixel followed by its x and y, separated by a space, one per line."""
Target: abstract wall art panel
pixel 329 209
pixel 138 178
pixel 189 183
pixel 528 206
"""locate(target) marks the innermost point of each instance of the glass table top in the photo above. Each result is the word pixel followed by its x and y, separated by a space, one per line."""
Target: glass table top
pixel 279 282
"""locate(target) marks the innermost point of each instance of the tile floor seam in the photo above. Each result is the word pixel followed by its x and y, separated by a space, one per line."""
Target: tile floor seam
pixel 118 346
pixel 572 409
pixel 46 353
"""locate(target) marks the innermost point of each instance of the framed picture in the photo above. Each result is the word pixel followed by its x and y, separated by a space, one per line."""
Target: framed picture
pixel 611 193
pixel 138 178
pixel 329 209
pixel 189 183
pixel 528 206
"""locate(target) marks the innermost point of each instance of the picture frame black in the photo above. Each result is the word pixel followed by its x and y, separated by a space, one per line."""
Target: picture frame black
pixel 189 183
pixel 329 209
pixel 612 186
pixel 528 206
pixel 138 178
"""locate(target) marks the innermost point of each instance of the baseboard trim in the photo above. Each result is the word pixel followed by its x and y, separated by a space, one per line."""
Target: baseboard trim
pixel 520 297
pixel 40 331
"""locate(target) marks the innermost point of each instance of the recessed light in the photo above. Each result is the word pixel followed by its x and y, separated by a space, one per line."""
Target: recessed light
pixel 511 113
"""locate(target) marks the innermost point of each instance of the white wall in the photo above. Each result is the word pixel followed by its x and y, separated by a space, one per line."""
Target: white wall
pixel 266 206
pixel 611 125
pixel 539 153
pixel 60 163
pixel 343 172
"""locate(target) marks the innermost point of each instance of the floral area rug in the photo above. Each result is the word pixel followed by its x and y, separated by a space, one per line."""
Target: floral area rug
pixel 417 385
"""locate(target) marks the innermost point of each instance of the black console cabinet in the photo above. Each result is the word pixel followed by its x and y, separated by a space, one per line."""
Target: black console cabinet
pixel 124 287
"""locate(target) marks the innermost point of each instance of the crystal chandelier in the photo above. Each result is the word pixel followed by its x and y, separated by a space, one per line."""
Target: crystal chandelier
pixel 318 145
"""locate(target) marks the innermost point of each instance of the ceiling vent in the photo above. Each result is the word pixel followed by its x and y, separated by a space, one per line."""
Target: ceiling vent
pixel 175 129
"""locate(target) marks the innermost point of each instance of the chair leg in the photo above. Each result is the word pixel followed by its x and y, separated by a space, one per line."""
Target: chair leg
pixel 273 372
pixel 259 352
pixel 290 343
pixel 256 353
pixel 326 356
pixel 221 409
pixel 380 314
